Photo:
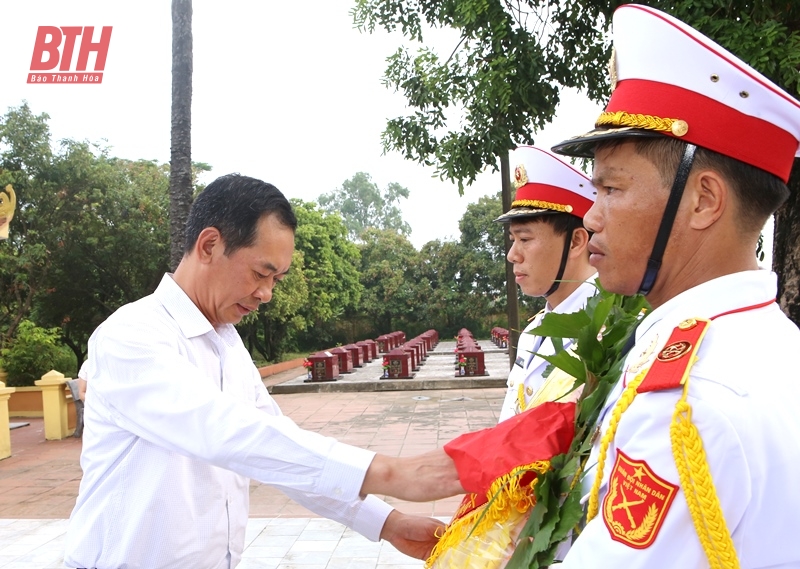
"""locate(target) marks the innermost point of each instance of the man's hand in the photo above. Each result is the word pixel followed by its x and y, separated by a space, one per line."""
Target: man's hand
pixel 412 535
pixel 420 478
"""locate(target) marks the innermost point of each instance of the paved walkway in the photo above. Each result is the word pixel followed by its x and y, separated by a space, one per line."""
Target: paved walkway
pixel 39 482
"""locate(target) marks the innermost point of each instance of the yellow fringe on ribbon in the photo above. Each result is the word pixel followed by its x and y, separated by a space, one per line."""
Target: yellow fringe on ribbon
pixel 542 205
pixel 507 497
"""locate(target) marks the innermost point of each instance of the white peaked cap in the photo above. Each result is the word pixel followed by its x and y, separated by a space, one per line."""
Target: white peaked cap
pixel 669 79
pixel 545 184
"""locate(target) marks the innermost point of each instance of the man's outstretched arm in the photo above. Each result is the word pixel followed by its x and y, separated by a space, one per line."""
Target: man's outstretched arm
pixel 421 478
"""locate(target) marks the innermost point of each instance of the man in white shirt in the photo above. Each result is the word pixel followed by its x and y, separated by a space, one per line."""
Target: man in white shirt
pixel 178 420
pixel 696 459
pixel 549 256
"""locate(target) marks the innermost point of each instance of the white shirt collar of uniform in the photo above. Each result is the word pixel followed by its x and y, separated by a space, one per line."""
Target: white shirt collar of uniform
pixel 191 321
pixel 577 300
pixel 714 297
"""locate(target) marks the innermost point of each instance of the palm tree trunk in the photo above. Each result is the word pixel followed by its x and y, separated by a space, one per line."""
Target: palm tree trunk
pixel 511 284
pixel 180 176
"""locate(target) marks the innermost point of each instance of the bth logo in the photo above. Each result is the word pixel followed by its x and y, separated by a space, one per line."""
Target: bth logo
pixel 47 55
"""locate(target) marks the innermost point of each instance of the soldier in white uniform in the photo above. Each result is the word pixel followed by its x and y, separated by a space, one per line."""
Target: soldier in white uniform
pixel 696 459
pixel 549 256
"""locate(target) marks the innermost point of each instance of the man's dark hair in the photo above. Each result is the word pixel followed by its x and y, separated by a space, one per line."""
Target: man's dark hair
pixel 234 204
pixel 758 192
pixel 562 223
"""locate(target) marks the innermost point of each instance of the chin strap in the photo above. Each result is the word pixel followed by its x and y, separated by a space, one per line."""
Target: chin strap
pixel 562 268
pixel 670 211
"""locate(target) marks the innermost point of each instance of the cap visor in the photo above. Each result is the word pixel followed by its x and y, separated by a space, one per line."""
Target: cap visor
pixel 582 146
pixel 522 212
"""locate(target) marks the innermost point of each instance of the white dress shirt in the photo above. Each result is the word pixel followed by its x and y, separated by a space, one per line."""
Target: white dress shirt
pixel 177 422
pixel 528 368
pixel 744 394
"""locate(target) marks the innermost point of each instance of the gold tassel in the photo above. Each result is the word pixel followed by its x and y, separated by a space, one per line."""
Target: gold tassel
pixel 506 496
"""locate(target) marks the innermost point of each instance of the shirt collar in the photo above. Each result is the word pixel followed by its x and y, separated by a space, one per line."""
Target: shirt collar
pixel 175 301
pixel 711 298
pixel 577 299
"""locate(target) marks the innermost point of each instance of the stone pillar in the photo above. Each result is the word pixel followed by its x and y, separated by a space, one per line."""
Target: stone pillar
pixel 5 432
pixel 54 404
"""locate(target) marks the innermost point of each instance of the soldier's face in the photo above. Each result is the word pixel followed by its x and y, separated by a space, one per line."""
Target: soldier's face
pixel 536 255
pixel 631 197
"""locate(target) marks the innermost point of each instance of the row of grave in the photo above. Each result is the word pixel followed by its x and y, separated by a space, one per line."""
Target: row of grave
pixel 500 337
pixel 401 357
pixel 469 356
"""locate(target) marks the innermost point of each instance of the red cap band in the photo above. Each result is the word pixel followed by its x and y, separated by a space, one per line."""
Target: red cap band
pixel 712 125
pixel 555 195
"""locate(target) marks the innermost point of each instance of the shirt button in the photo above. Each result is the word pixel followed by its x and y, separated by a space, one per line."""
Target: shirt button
pixel 337 491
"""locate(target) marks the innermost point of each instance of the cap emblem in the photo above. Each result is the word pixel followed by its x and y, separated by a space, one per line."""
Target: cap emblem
pixel 520 176
pixel 677 127
pixel 612 69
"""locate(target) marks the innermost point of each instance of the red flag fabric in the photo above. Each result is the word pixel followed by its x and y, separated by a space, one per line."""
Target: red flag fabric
pixel 538 434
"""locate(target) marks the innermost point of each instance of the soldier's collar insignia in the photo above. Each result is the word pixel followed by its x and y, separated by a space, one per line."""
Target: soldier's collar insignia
pixel 671 368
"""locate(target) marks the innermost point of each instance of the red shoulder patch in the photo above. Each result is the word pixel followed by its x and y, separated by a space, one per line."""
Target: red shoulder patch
pixel 637 502
pixel 674 361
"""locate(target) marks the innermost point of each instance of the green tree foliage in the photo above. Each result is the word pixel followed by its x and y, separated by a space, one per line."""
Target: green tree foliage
pixel 447 285
pixel 331 263
pixel 363 205
pixel 32 353
pixel 25 155
pixel 443 302
pixel 499 84
pixel 89 235
pixel 483 265
pixel 114 248
pixel 467 277
pixel 389 277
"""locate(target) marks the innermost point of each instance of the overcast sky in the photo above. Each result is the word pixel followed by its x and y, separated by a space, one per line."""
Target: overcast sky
pixel 287 92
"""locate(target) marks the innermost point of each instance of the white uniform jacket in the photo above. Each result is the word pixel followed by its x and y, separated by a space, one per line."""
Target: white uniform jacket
pixel 745 398
pixel 177 422
pixel 528 369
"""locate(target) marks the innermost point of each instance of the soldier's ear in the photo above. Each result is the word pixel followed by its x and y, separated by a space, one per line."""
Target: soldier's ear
pixel 710 197
pixel 580 239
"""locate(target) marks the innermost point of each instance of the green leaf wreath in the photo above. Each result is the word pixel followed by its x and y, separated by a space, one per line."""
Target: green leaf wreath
pixel 601 331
